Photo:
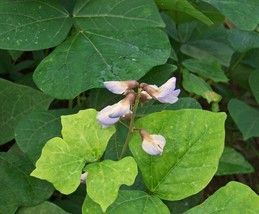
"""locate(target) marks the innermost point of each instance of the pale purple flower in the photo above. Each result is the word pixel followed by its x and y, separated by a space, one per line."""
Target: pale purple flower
pixel 166 93
pixel 112 113
pixel 120 87
pixel 152 144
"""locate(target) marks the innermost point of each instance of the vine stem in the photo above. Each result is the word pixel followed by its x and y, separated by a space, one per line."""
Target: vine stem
pixel 132 125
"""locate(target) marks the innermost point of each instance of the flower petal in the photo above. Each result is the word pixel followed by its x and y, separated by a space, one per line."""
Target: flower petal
pixel 169 85
pixel 119 87
pixel 116 87
pixel 153 144
pixel 169 97
pixel 119 109
pixel 104 119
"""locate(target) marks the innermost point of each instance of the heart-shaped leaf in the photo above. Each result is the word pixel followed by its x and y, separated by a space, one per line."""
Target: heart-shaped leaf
pixel 233 198
pixel 62 160
pixel 246 118
pixel 105 55
pixel 114 43
pixel 32 25
pixel 195 141
pixel 136 202
pixel 16 101
pixel 104 179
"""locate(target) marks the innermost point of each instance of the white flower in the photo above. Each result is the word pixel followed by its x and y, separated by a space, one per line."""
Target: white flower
pixel 120 87
pixel 111 114
pixel 83 177
pixel 166 93
pixel 152 144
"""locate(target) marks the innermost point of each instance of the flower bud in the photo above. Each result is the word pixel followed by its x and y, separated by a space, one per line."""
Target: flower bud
pixel 152 144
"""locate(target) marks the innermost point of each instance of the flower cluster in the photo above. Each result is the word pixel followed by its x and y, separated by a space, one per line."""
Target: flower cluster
pixel 166 93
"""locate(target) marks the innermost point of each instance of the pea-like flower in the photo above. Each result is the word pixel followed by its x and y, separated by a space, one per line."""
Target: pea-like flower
pixel 166 93
pixel 152 144
pixel 112 113
pixel 120 87
pixel 83 177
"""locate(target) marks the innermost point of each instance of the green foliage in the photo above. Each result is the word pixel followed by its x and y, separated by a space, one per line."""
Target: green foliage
pixel 185 123
pixel 246 118
pixel 113 51
pixel 18 188
pixel 181 171
pixel 228 200
pixel 63 159
pixel 43 208
pixel 33 131
pixel 109 176
pixel 232 162
pixel 33 25
pixel 241 15
pixel 16 101
pixel 133 201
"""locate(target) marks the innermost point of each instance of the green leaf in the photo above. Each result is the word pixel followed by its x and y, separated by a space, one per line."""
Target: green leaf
pixel 17 187
pixel 159 74
pixel 245 117
pixel 182 103
pixel 32 25
pixel 73 203
pixel 44 208
pixel 104 55
pixel 195 141
pixel 62 160
pixel 232 162
pixel 115 15
pixel 207 69
pixel 233 198
pixel 173 7
pixel 34 130
pixel 197 85
pixel 16 101
pixel 242 41
pixel 253 82
pixel 109 176
pixel 244 14
pixel 179 207
pixel 133 201
pixel 6 62
pixel 115 44
pixel 180 32
pixel 252 58
pixel 208 50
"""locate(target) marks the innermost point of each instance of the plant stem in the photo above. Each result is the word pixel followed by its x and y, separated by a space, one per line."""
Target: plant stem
pixel 70 103
pixel 131 126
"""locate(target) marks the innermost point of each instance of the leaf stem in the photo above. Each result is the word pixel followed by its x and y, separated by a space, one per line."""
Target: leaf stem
pixel 132 125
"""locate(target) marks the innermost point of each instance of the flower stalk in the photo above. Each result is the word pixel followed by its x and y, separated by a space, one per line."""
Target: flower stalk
pixel 132 124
